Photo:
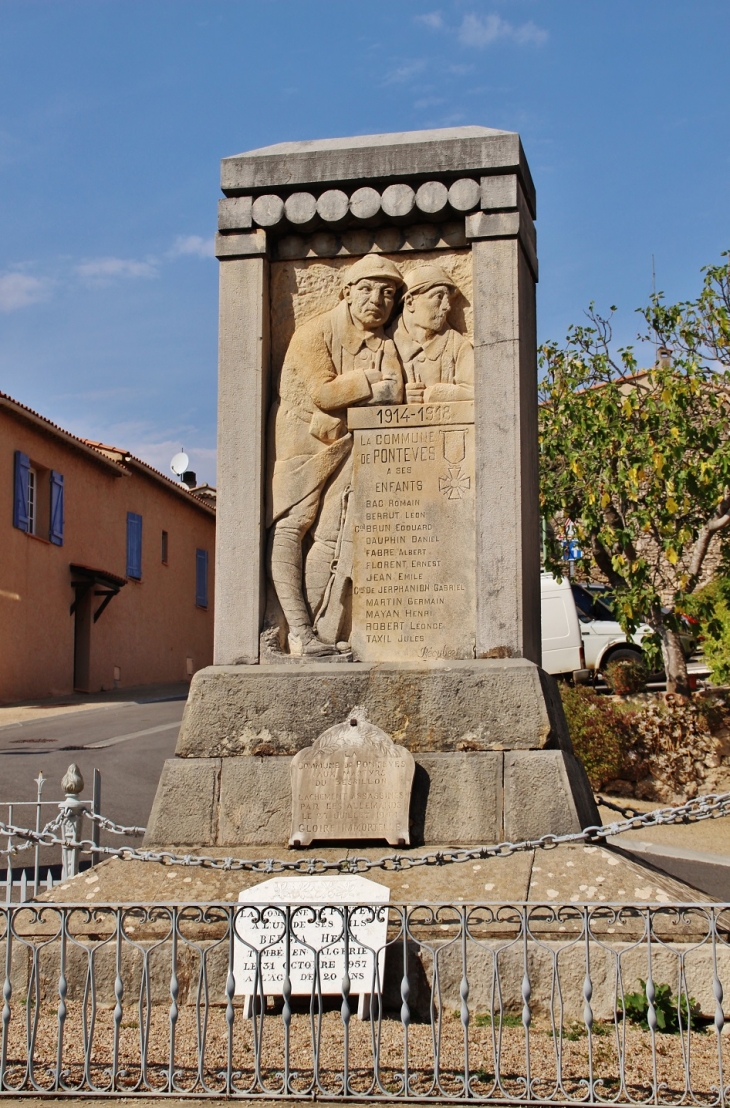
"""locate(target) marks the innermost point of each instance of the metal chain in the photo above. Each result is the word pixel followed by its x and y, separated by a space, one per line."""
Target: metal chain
pixel 55 823
pixel 711 806
pixel 627 813
pixel 115 828
pixel 52 825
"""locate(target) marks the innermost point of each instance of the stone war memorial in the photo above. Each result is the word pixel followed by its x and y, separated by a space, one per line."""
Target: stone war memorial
pixel 377 655
pixel 346 830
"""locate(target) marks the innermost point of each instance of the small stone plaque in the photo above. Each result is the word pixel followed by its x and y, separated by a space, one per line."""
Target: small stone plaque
pixel 414 549
pixel 317 948
pixel 354 782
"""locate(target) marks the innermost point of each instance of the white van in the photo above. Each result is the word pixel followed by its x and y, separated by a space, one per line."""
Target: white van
pixel 562 643
pixel 580 635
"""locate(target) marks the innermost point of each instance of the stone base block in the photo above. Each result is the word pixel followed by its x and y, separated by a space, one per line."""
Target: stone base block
pixel 486 704
pixel 458 797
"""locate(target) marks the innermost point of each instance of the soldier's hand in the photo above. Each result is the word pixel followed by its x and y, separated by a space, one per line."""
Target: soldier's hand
pixel 373 375
pixel 414 392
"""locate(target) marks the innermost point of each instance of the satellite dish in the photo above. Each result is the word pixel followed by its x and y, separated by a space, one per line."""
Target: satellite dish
pixel 179 463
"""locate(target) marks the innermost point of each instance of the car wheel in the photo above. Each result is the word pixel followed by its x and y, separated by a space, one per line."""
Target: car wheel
pixel 624 654
pixel 621 655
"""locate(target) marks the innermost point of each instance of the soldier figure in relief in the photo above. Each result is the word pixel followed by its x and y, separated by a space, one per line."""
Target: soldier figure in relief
pixel 338 359
pixel 438 360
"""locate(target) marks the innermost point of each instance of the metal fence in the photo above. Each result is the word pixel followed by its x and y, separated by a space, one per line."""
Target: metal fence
pixel 23 879
pixel 503 1003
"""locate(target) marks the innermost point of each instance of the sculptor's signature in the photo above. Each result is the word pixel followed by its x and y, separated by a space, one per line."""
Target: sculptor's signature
pixel 444 652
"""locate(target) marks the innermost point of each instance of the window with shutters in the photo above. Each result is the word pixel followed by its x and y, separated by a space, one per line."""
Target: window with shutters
pixel 134 546
pixel 201 578
pixel 38 500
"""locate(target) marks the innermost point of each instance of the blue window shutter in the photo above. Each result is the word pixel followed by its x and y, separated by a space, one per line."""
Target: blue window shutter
pixel 134 545
pixel 20 499
pixel 56 532
pixel 201 578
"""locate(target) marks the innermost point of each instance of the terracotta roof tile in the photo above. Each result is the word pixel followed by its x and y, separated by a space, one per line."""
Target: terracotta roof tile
pixel 127 458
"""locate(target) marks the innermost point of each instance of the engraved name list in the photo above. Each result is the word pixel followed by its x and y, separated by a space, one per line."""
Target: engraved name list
pixel 413 575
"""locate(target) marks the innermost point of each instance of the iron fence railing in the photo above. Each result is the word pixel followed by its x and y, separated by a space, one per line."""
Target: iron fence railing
pixel 42 849
pixel 28 867
pixel 504 1003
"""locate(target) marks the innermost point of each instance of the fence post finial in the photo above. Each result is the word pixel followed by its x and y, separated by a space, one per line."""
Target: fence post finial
pixel 73 811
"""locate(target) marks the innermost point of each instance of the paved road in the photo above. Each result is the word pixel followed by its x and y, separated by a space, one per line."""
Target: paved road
pixel 127 742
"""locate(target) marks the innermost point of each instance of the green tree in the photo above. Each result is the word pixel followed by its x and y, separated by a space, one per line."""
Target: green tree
pixel 640 462
pixel 715 597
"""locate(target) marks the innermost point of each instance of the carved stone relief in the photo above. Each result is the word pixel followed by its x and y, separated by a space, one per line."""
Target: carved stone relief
pixel 369 334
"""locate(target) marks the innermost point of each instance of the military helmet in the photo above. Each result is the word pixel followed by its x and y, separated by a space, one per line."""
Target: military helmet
pixel 372 265
pixel 426 276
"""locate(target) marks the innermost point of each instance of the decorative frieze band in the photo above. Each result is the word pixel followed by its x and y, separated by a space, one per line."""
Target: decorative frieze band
pixel 333 207
pixel 333 224
pixel 363 240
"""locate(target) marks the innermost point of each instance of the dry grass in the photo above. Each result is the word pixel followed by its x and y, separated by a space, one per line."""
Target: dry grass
pixel 376 1056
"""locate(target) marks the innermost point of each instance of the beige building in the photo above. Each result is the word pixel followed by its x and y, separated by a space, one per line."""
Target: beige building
pixel 106 578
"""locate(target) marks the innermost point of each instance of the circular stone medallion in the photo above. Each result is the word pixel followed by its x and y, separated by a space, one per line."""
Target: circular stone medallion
pixel 333 205
pixel 423 236
pixel 464 194
pixel 358 242
pixel 267 210
pixel 398 200
pixel 432 197
pixel 300 207
pixel 389 239
pixel 365 203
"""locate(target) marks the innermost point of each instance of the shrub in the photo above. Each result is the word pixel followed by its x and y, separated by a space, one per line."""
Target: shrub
pixel 626 676
pixel 665 747
pixel 601 733
pixel 674 739
pixel 669 1013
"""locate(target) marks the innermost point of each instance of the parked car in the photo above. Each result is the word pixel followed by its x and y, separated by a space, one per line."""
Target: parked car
pixel 580 634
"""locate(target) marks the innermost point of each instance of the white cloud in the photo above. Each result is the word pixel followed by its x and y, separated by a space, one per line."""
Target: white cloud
pixel 195 245
pixel 530 32
pixel 404 72
pixel 18 290
pixel 433 20
pixel 102 270
pixel 481 31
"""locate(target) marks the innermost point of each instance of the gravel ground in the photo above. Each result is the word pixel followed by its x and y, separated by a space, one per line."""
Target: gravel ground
pixel 444 1040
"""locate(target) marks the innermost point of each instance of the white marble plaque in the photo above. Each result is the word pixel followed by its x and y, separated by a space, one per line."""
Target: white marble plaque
pixel 317 937
pixel 353 782
pixel 413 563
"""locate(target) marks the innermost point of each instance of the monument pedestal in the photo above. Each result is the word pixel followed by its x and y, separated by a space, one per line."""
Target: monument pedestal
pixel 492 750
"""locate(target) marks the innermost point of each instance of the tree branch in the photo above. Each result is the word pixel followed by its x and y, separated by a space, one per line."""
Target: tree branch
pixel 717 523
pixel 615 520
pixel 603 560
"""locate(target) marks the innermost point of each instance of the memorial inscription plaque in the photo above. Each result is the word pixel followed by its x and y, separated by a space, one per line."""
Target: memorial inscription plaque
pixel 318 914
pixel 413 571
pixel 354 782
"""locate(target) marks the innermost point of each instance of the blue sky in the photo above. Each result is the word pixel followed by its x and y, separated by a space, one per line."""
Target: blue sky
pixel 114 115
